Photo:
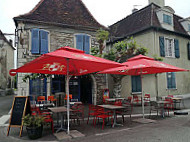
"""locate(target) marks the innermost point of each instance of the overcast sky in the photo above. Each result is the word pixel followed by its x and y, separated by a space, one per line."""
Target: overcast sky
pixel 105 12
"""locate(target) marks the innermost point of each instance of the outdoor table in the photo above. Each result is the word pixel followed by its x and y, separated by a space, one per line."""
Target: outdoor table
pixel 113 108
pixel 60 110
pixel 176 100
pixel 112 100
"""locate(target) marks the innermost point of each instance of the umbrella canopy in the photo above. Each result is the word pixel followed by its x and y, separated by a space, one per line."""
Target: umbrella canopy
pixel 55 63
pixel 140 65
pixel 67 61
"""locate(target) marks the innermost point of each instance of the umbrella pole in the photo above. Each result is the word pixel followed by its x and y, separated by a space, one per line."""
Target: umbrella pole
pixel 142 96
pixel 67 93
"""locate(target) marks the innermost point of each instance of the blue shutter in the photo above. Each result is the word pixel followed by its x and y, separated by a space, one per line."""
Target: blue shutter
pixel 173 85
pixel 35 41
pixel 138 80
pixel 87 44
pixel 79 42
pixel 188 50
pixel 133 79
pixel 176 44
pixel 43 42
pixel 162 47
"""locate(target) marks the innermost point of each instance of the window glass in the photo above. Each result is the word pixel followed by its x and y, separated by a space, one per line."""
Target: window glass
pixel 167 19
pixel 136 83
pixel 169 48
pixel 171 81
pixel 189 27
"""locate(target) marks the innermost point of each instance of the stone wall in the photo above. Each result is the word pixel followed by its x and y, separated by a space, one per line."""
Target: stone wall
pixel 58 37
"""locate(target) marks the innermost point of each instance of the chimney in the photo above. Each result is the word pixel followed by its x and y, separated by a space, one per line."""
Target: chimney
pixel 160 3
pixel 134 10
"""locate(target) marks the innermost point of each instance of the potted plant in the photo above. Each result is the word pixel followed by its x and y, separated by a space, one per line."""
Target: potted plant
pixel 34 125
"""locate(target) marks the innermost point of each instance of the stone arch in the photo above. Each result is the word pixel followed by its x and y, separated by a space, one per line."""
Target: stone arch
pixel 94 89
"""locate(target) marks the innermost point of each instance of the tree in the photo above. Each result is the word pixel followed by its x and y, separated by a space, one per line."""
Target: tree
pixel 120 52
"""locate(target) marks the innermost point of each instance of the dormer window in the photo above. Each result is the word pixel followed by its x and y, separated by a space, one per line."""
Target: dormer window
pixel 189 27
pixel 167 19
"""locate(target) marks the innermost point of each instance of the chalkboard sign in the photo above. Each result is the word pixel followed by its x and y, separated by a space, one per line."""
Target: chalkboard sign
pixel 20 108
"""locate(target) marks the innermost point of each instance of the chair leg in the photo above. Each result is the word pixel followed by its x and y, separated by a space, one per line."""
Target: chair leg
pixel 123 118
pixel 103 124
pixel 52 127
pixel 88 119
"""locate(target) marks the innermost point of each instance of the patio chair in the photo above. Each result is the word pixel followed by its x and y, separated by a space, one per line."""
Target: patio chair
pixel 104 115
pixel 154 107
pixel 77 113
pixel 126 111
pixel 136 99
pixel 169 105
pixel 52 99
pixel 41 99
pixel 93 111
pixel 146 99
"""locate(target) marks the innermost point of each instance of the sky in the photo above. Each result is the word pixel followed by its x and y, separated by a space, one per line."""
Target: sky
pixel 106 12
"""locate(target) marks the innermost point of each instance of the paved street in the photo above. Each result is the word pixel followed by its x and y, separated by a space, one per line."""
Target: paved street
pixel 5 104
pixel 169 129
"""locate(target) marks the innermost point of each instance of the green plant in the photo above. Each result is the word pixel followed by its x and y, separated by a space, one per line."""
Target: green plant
pixel 33 121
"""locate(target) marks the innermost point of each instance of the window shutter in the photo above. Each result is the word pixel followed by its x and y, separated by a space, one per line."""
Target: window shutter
pixel 79 42
pixel 188 50
pixel 87 44
pixel 176 44
pixel 133 79
pixel 35 41
pixel 138 79
pixel 43 42
pixel 173 85
pixel 162 48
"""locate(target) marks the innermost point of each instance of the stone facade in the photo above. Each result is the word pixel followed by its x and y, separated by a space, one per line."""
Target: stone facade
pixel 58 37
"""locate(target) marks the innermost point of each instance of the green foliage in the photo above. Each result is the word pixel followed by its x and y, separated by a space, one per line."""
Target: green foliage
pixel 125 49
pixel 35 76
pixel 33 121
pixel 102 35
pixel 155 56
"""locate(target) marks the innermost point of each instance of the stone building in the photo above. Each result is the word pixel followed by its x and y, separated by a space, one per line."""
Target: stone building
pixel 165 34
pixel 47 27
pixel 6 62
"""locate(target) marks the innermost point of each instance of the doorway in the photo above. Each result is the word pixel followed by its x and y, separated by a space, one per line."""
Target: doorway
pixel 86 89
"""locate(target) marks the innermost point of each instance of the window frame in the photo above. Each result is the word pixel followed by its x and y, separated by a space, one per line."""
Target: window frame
pixel 170 53
pixel 136 82
pixel 30 41
pixel 189 27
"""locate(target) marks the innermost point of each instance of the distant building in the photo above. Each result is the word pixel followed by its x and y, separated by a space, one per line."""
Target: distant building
pixel 165 34
pixel 6 62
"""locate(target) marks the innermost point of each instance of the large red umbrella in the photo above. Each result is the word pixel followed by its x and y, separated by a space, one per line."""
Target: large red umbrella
pixel 140 65
pixel 67 61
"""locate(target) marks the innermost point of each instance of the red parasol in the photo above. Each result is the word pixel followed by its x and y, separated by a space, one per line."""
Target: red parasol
pixel 67 61
pixel 140 65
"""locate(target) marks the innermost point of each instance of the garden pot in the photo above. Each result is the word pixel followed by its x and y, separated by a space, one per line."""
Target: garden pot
pixel 34 132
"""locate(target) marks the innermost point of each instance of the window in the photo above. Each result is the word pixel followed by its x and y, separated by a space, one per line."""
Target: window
pixel 136 83
pixel 83 42
pixel 188 50
pixel 38 87
pixel 39 41
pixel 167 19
pixel 169 48
pixel 189 27
pixel 171 81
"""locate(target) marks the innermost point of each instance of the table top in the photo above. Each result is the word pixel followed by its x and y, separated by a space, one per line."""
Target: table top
pixel 114 99
pixel 112 107
pixel 176 98
pixel 59 109
pixel 161 102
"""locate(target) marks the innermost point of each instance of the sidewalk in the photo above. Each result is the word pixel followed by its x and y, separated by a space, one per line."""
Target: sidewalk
pixel 85 131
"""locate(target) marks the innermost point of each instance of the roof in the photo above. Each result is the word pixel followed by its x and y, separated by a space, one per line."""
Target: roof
pixel 61 12
pixel 2 37
pixel 141 20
